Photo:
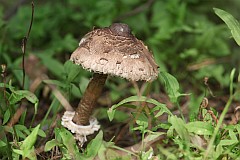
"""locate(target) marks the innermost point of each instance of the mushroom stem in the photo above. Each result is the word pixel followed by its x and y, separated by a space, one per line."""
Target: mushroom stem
pixel 89 99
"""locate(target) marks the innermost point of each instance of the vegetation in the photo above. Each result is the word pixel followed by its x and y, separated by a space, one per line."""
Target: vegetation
pixel 191 111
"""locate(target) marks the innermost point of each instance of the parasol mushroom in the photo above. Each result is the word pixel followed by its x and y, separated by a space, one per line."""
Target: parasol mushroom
pixel 112 51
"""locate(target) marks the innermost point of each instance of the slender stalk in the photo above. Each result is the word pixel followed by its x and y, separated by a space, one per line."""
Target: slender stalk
pixel 224 112
pixel 89 99
pixel 216 130
pixel 180 110
pixel 24 45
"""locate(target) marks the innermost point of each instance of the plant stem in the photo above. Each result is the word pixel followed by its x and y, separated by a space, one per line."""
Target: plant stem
pixel 216 130
pixel 89 99
pixel 180 110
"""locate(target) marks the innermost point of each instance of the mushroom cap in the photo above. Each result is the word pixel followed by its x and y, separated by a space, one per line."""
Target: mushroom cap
pixel 114 50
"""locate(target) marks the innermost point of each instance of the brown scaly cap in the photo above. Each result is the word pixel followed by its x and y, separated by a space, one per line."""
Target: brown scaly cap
pixel 115 51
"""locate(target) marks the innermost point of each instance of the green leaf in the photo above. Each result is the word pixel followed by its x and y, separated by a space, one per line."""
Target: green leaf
pixel 3 85
pixel 231 80
pixel 21 129
pixel 2 144
pixel 6 116
pixel 29 142
pixel 233 136
pixel 148 154
pixel 227 142
pixel 231 22
pixel 200 128
pixel 72 70
pixel 17 96
pixel 70 143
pixel 94 146
pixel 159 110
pixel 27 146
pixel 111 111
pixel 171 85
pixel 111 154
pixel 41 133
pixel 50 144
pixel 153 136
pixel 180 127
pixel 141 121
pixel 20 134
pixel 20 152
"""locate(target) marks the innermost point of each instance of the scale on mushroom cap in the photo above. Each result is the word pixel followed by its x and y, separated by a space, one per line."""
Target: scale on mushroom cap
pixel 108 51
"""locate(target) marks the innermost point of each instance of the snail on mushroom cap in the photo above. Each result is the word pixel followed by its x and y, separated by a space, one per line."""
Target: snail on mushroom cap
pixel 112 51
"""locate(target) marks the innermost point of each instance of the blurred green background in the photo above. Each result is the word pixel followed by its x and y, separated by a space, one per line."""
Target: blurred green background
pixel 187 39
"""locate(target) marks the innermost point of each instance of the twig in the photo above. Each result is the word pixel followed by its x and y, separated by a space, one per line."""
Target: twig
pixel 22 107
pixel 24 44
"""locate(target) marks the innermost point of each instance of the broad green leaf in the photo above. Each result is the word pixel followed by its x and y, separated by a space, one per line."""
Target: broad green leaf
pixel 180 127
pixel 200 128
pixel 111 111
pixel 70 143
pixel 27 146
pixel 17 96
pixel 231 22
pixel 219 150
pixel 94 146
pixel 102 151
pixel 29 96
pixel 171 85
pixel 29 142
pixel 20 152
pixel 50 144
